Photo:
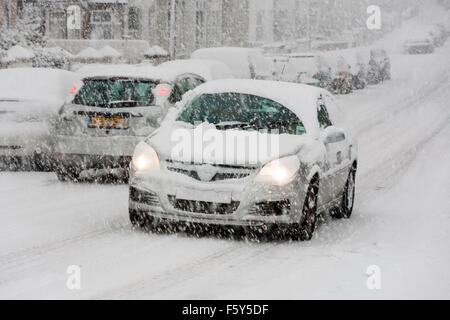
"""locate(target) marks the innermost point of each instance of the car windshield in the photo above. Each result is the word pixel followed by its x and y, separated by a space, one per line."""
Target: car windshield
pixel 115 93
pixel 241 111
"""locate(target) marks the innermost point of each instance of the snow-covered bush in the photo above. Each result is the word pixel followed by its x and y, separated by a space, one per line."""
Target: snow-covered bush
pixel 56 58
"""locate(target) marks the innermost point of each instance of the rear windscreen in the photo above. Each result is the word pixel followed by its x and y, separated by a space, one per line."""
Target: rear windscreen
pixel 115 93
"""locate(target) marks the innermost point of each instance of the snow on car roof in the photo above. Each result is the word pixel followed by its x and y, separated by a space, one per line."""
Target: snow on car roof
pixel 129 71
pixel 109 51
pixel 36 84
pixel 16 53
pixel 299 98
pixel 237 59
pixel 207 69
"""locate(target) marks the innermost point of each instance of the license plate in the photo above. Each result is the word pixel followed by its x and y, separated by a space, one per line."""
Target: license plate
pixel 108 122
pixel 203 195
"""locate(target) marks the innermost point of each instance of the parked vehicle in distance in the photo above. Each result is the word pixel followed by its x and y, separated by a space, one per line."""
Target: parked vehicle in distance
pixel 246 189
pixel 112 109
pixel 342 78
pixel 379 67
pixel 207 69
pixel 309 68
pixel 29 98
pixel 438 35
pixel 419 45
pixel 244 63
pixel 359 79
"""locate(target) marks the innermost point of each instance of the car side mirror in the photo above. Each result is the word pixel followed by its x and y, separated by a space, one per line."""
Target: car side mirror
pixel 334 135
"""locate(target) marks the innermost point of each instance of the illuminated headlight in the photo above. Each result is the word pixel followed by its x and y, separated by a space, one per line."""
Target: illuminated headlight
pixel 279 171
pixel 145 158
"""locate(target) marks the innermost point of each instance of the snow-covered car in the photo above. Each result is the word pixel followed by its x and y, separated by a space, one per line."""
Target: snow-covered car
pixel 29 98
pixel 419 45
pixel 379 66
pixel 244 63
pixel 207 69
pixel 314 69
pixel 111 109
pixel 189 172
pixel 342 78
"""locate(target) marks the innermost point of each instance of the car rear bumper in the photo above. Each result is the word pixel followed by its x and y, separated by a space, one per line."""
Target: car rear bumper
pixel 113 146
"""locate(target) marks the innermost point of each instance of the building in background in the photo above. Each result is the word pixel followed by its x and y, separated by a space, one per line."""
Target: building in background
pixel 290 20
pixel 197 23
pixel 9 13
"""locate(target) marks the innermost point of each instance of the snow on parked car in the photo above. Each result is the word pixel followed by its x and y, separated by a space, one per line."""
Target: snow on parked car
pixel 379 67
pixel 191 171
pixel 207 69
pixel 420 44
pixel 244 63
pixel 29 98
pixel 112 109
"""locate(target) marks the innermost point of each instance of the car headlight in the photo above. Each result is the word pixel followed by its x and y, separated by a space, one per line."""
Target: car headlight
pixel 145 158
pixel 279 171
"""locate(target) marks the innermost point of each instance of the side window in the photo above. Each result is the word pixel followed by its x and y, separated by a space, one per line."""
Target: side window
pixel 189 82
pixel 176 95
pixel 198 81
pixel 322 114
pixel 185 84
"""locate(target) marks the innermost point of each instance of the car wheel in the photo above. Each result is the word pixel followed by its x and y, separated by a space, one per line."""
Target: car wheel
pixel 305 230
pixel 348 198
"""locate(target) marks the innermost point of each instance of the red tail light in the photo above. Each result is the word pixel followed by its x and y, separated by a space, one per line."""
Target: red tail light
pixel 74 89
pixel 163 91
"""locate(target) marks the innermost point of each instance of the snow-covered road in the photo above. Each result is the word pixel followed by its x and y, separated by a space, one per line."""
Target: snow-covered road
pixel 401 221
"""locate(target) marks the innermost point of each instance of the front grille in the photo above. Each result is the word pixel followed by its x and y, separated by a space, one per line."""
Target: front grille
pixel 228 176
pixel 271 208
pixel 224 172
pixel 190 173
pixel 203 206
pixel 144 197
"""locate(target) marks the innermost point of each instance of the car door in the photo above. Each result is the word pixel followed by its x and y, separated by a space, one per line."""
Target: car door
pixel 334 139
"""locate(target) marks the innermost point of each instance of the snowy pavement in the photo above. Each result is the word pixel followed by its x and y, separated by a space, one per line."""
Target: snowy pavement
pixel 401 221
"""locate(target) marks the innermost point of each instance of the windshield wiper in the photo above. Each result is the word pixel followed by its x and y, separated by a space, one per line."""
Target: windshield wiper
pixel 234 125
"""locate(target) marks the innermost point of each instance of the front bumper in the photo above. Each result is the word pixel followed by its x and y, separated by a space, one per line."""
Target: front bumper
pixel 159 193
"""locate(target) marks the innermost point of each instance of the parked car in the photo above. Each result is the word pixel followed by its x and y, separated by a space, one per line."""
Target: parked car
pixel 311 69
pixel 179 184
pixel 207 69
pixel 244 63
pixel 29 97
pixel 438 35
pixel 379 67
pixel 112 109
pixel 342 77
pixel 359 79
pixel 419 45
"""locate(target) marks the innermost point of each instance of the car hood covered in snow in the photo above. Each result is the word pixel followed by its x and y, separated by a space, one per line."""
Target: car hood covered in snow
pixel 206 144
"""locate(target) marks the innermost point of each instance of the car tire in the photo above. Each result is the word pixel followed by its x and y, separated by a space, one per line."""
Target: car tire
pixel 348 198
pixel 305 229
